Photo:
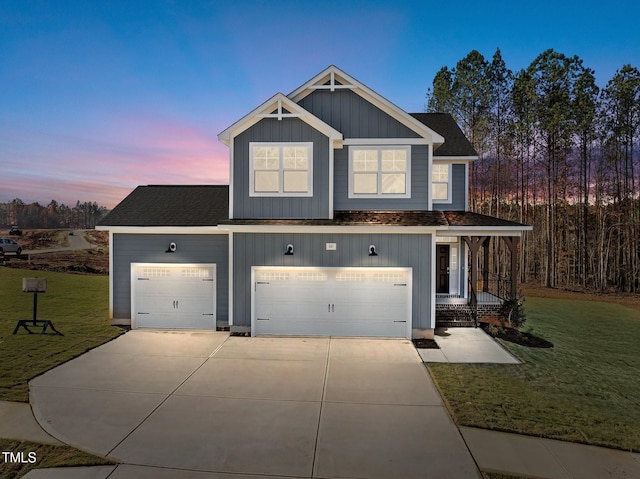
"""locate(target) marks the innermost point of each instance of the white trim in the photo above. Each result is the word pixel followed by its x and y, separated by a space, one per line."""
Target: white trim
pixel 281 145
pixel 264 111
pixel 432 324
pixel 191 230
pixel 253 228
pixel 455 158
pixel 230 278
pixel 488 230
pixel 368 94
pixel 464 255
pixel 429 184
pixel 449 198
pixel 331 178
pixel 405 269
pixel 380 194
pixel 111 275
pixel 466 187
pixel 386 141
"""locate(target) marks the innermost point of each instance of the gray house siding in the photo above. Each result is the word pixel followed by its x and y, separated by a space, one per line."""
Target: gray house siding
pixel 394 250
pixel 285 130
pixel 458 203
pixel 419 185
pixel 354 116
pixel 150 248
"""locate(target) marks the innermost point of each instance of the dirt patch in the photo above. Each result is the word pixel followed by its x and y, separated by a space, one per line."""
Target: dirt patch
pixel 423 343
pixel 95 261
pixel 514 336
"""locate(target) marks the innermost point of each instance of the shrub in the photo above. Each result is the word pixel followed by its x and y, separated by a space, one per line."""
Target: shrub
pixel 512 312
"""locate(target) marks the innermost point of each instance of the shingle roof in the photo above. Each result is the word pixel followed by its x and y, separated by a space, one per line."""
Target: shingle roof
pixel 388 218
pixel 455 143
pixel 469 218
pixel 171 205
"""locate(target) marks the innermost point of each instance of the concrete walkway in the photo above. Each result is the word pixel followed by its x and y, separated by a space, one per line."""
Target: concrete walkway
pixel 204 406
pixel 466 345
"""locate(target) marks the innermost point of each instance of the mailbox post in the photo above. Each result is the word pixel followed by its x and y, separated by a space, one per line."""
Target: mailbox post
pixel 35 286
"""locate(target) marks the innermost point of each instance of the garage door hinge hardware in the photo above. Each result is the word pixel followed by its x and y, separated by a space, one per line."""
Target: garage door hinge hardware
pixel 143 279
pixel 399 321
pixel 143 313
pixel 207 279
pixel 207 314
pixel 262 319
pixel 399 284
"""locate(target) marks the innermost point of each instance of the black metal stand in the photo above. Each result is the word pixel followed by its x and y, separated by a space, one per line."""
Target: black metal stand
pixel 36 323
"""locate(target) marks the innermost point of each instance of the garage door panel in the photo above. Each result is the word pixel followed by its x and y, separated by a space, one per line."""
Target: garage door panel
pixel 174 296
pixel 335 302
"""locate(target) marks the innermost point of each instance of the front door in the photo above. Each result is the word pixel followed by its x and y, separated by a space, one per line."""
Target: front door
pixel 442 268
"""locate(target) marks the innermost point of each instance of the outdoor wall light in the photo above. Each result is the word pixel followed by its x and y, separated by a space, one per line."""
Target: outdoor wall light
pixel 372 250
pixel 172 248
pixel 289 251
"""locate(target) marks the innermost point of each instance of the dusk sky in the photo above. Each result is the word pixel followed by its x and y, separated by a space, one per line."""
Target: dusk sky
pixel 97 97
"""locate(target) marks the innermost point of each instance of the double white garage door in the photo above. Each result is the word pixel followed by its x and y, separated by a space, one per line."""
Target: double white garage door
pixel 332 301
pixel 179 296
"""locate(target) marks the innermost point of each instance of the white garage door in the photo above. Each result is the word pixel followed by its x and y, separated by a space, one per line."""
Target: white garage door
pixel 332 302
pixel 173 296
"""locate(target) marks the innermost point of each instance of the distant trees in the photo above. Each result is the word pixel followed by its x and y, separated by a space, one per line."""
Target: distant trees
pixel 557 152
pixel 54 215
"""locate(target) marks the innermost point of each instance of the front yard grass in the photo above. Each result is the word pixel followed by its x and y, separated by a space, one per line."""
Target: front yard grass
pixel 585 389
pixel 78 306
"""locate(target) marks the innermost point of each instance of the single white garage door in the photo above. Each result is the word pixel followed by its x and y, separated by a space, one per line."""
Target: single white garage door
pixel 332 301
pixel 173 296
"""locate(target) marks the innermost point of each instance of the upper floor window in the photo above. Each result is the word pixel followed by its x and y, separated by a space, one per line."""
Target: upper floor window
pixel 441 182
pixel 281 169
pixel 379 172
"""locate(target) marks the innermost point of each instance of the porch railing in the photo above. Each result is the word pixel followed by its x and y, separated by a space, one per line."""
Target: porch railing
pixel 496 285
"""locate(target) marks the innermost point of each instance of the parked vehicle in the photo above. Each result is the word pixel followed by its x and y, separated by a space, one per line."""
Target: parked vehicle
pixel 7 245
pixel 15 231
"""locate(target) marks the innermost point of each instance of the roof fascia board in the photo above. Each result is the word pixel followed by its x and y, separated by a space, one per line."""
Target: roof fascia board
pixel 280 101
pixel 163 229
pixel 454 158
pixel 386 141
pixel 356 229
pixel 369 95
pixel 486 230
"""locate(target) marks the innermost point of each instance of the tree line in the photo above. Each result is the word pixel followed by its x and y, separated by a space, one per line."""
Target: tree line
pixel 54 215
pixel 556 152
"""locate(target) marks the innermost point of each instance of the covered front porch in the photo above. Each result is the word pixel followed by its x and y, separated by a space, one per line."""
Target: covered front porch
pixel 475 274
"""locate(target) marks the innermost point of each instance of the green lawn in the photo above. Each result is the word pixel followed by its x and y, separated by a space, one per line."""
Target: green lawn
pixel 585 389
pixel 78 305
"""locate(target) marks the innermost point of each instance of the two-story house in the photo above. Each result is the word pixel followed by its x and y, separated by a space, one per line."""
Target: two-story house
pixel 344 216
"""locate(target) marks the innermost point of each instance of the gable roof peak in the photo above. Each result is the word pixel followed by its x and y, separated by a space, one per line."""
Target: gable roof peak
pixel 333 78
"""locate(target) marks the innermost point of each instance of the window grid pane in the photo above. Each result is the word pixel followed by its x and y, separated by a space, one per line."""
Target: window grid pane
pixel 365 183
pixel 281 168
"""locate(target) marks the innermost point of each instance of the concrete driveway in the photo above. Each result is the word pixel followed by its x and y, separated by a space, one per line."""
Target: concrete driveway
pixel 283 407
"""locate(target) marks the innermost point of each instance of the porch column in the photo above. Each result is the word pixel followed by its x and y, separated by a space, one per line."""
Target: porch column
pixel 485 265
pixel 512 243
pixel 474 242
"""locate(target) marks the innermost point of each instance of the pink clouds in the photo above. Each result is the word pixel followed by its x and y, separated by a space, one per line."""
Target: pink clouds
pixel 105 163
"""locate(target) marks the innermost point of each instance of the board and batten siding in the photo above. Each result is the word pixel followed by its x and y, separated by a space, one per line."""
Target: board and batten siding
pixel 352 250
pixel 151 248
pixel 353 116
pixel 285 130
pixel 458 190
pixel 419 185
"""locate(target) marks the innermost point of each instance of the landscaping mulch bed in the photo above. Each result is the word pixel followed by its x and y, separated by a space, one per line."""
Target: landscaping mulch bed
pixel 423 343
pixel 518 337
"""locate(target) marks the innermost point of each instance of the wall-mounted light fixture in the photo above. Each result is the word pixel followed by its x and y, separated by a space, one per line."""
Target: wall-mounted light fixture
pixel 372 250
pixel 172 248
pixel 289 250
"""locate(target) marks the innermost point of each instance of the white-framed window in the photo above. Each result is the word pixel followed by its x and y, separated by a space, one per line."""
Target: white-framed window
pixel 280 169
pixel 441 182
pixel 379 171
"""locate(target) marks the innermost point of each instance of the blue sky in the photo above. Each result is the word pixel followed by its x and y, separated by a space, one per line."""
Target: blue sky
pixel 97 97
